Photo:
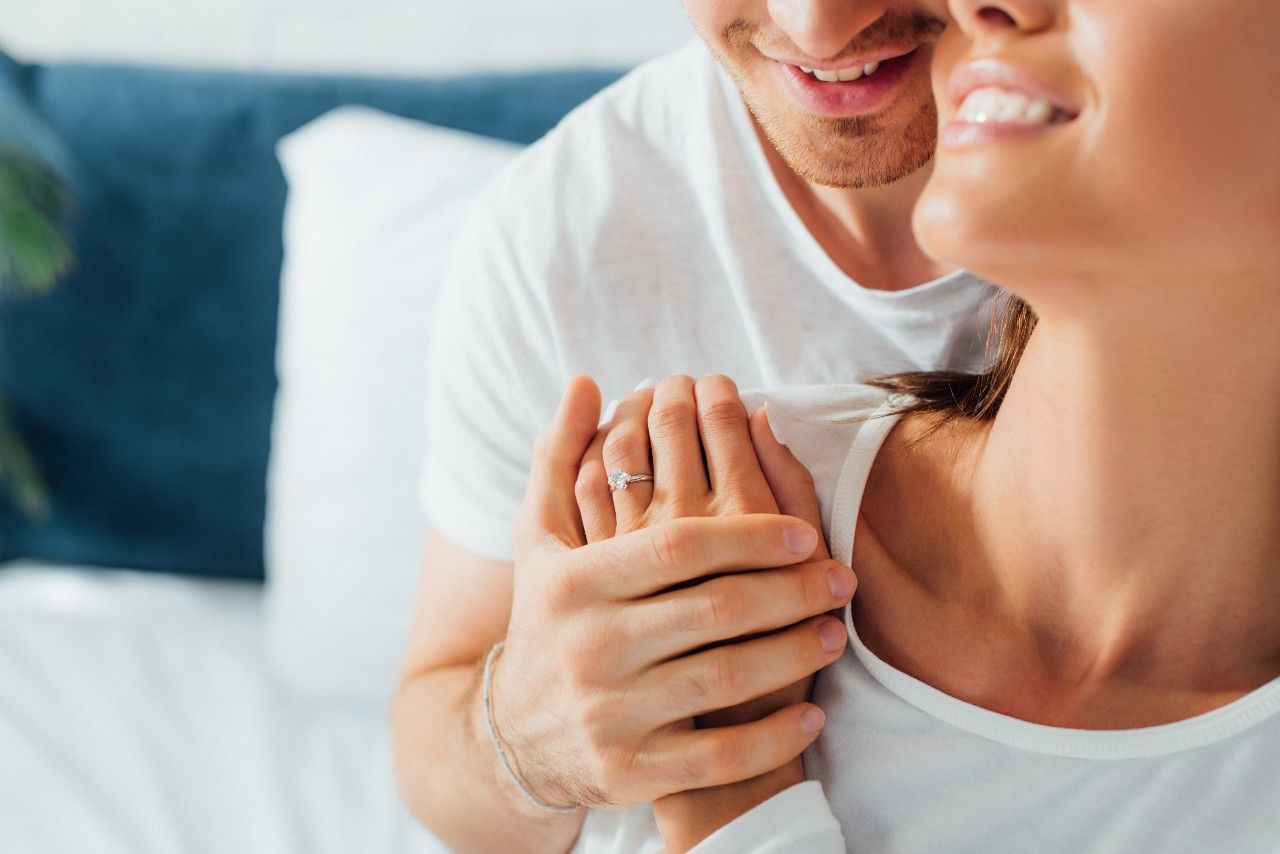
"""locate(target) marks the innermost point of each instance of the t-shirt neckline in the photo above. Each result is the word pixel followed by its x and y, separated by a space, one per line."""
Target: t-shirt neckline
pixel 1198 731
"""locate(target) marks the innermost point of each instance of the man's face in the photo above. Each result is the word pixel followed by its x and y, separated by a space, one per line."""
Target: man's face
pixel 864 132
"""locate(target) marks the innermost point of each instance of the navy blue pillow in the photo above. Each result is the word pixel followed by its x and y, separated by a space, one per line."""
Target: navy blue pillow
pixel 145 383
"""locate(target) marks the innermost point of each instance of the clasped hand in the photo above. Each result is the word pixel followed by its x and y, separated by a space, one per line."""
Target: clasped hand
pixel 663 638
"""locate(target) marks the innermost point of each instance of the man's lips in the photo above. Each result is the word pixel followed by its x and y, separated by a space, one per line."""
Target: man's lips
pixel 850 98
pixel 881 54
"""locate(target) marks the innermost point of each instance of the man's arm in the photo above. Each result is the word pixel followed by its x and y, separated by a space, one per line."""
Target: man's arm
pixel 448 771
pixel 588 696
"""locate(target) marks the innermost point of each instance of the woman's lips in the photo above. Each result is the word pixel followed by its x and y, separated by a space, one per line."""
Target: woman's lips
pixel 994 100
pixel 846 99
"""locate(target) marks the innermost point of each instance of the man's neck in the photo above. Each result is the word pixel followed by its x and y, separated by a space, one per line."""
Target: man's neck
pixel 866 232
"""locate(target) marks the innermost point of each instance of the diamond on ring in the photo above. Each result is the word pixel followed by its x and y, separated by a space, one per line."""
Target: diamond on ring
pixel 619 479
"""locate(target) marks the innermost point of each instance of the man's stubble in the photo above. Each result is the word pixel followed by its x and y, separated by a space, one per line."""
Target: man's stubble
pixel 851 153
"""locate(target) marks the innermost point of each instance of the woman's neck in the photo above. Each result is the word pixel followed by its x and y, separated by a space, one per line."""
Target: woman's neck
pixel 1125 503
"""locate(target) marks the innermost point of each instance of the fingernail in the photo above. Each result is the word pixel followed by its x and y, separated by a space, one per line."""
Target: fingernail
pixel 811 720
pixel 840 580
pixel 831 634
pixel 800 539
pixel 646 383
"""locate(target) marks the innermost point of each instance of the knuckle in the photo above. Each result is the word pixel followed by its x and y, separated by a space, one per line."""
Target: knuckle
pixel 728 755
pixel 672 417
pixel 595 762
pixel 579 651
pixel 614 770
pixel 723 412
pixel 670 545
pixel 679 506
pixel 622 444
pixel 594 717
pixel 567 591
pixel 730 502
pixel 813 593
pixel 694 770
pixel 590 485
pixel 717 679
pixel 721 606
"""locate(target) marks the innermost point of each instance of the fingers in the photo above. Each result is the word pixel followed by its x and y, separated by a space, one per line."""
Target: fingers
pixel 626 448
pixel 732 606
pixel 595 503
pixel 734 471
pixel 679 472
pixel 549 510
pixel 788 479
pixel 734 673
pixel 652 559
pixel 698 759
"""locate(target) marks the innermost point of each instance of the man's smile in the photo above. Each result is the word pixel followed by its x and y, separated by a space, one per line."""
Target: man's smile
pixel 849 88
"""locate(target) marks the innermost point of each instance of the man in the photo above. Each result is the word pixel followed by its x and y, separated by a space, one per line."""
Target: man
pixel 664 228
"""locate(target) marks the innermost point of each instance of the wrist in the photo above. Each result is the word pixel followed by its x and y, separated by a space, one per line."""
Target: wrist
pixel 686 818
pixel 502 763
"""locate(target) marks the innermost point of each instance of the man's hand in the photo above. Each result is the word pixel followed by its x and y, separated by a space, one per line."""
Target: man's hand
pixel 610 652
pixel 708 459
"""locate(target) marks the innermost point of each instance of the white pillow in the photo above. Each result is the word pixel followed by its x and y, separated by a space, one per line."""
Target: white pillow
pixel 373 207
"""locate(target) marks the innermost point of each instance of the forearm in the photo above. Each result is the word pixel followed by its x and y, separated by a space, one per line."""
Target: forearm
pixel 451 778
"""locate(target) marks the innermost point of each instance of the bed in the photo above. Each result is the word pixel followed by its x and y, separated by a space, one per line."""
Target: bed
pixel 200 394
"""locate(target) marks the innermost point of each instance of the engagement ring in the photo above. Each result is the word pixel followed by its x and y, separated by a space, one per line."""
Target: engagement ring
pixel 618 480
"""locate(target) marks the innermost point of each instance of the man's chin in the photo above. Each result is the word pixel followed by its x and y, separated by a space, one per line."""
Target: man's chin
pixel 858 152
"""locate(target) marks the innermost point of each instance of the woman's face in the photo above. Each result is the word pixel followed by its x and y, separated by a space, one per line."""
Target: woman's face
pixel 1087 136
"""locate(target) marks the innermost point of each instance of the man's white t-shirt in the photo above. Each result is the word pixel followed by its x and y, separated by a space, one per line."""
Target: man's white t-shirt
pixel 903 767
pixel 646 236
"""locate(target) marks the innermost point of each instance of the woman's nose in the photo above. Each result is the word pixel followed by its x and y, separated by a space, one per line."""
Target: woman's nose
pixel 977 17
pixel 822 28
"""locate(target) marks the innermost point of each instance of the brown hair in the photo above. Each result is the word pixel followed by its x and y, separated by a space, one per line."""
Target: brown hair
pixel 955 394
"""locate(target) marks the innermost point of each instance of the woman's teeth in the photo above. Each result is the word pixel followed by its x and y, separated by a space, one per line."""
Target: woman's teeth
pixel 843 75
pixel 991 104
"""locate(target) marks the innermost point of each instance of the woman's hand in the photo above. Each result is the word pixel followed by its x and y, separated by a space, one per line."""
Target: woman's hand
pixel 672 430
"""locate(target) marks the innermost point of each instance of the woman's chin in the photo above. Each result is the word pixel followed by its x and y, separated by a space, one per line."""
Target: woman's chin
pixel 973 227
pixel 946 229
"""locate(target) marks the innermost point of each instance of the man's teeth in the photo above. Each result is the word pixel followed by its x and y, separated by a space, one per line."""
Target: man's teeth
pixel 843 75
pixel 1000 105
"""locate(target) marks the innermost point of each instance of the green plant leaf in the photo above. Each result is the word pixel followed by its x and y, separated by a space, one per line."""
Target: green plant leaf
pixel 19 476
pixel 35 251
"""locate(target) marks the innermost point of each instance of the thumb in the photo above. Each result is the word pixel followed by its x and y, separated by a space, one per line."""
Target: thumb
pixel 548 515
pixel 790 481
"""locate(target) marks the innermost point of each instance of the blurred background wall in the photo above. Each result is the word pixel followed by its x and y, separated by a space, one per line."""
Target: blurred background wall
pixel 371 36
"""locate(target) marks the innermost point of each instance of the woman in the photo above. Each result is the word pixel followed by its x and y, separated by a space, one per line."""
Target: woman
pixel 1066 635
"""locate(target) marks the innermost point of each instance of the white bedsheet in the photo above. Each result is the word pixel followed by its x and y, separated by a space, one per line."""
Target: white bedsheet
pixel 138 714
